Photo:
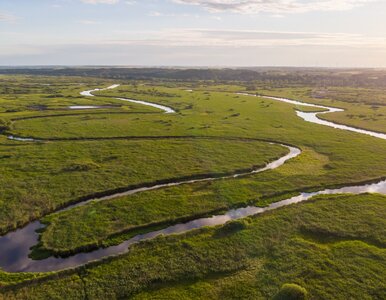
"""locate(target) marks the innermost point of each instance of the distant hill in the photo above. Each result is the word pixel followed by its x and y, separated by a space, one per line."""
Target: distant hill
pixel 275 76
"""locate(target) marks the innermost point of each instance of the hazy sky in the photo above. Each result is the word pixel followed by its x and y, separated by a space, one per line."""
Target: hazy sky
pixel 335 33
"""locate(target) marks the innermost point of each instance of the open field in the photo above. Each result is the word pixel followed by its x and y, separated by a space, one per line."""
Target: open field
pixel 84 154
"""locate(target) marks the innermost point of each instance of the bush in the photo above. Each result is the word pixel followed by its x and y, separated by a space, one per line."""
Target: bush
pixel 291 291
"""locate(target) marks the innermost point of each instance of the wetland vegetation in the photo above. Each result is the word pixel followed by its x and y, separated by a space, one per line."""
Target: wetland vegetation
pixel 331 247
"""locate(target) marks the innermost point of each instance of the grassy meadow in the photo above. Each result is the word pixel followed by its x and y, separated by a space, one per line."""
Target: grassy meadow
pixel 316 245
pixel 333 246
pixel 330 158
pixel 39 178
pixel 364 108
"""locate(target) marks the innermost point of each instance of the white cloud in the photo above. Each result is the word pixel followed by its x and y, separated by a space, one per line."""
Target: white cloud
pixel 172 15
pixel 244 38
pixel 155 14
pixel 148 55
pixel 88 22
pixel 204 47
pixel 128 2
pixel 275 6
pixel 100 1
pixel 6 17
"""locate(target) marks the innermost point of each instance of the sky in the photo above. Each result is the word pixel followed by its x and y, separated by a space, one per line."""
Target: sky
pixel 314 33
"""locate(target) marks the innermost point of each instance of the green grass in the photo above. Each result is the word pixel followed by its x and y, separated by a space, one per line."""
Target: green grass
pixel 251 261
pixel 364 108
pixel 330 157
pixel 333 247
pixel 15 278
pixel 29 96
pixel 37 178
pixel 323 163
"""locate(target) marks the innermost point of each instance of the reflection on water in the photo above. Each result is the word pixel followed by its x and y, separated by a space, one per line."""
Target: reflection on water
pixel 15 246
pixel 75 107
pixel 166 109
pixel 21 139
pixel 89 93
pixel 313 116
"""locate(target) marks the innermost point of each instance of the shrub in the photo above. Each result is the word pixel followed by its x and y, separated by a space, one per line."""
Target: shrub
pixel 291 291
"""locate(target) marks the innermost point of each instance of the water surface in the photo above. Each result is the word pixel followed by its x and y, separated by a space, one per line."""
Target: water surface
pixel 166 109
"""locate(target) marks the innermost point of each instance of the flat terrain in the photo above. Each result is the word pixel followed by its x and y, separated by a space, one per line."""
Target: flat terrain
pixel 316 245
pixel 333 245
pixel 364 108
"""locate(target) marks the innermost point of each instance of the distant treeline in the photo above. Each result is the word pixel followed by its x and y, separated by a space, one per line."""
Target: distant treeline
pixel 272 76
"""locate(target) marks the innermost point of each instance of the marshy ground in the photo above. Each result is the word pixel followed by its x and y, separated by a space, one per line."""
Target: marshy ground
pixel 333 245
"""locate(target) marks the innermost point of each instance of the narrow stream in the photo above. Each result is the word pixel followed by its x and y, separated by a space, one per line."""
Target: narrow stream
pixel 15 246
pixel 81 107
pixel 166 109
pixel 21 139
pixel 313 116
pixel 88 93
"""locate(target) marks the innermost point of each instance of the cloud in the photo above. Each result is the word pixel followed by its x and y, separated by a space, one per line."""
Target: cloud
pixel 6 17
pixel 245 38
pixel 197 46
pixel 275 6
pixel 88 22
pixel 172 15
pixel 133 54
pixel 128 2
pixel 100 1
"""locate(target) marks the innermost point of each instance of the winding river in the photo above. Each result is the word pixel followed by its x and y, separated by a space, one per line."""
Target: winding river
pixel 166 109
pixel 313 116
pixel 15 246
